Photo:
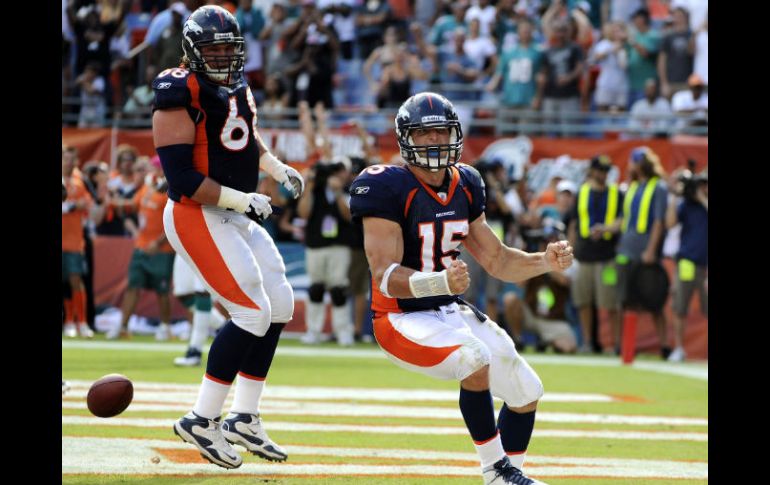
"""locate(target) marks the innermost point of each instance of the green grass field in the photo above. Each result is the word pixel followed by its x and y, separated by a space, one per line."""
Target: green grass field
pixel 342 423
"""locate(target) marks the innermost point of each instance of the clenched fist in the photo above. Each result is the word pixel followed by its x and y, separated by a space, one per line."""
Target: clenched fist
pixel 558 256
pixel 458 277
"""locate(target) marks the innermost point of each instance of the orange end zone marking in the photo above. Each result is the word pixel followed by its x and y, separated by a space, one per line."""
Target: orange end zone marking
pixel 624 398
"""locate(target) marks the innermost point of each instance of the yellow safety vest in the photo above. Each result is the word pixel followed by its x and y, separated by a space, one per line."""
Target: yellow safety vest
pixel 609 216
pixel 644 205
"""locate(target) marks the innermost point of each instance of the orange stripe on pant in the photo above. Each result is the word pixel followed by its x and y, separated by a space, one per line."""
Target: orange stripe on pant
pixel 404 349
pixel 194 235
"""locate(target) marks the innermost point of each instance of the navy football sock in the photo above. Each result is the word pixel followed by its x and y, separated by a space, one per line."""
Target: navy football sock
pixel 227 352
pixel 257 360
pixel 515 430
pixel 478 413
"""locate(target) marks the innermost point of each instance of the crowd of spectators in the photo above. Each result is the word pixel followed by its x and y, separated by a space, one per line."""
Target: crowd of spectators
pixel 559 57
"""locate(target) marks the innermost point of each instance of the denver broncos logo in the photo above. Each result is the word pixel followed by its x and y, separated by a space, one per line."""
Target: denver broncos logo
pixel 193 26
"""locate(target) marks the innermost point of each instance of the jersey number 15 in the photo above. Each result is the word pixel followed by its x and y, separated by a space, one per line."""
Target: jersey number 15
pixel 453 232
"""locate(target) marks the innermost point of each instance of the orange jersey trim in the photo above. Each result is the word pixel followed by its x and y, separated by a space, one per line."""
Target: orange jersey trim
pixel 452 186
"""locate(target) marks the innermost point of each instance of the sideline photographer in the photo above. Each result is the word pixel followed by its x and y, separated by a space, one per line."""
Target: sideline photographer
pixel 324 205
pixel 691 210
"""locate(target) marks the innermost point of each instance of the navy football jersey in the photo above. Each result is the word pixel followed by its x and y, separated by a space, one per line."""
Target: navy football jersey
pixel 226 123
pixel 432 224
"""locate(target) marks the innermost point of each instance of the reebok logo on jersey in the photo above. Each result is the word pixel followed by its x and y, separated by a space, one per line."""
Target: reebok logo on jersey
pixel 361 190
pixel 164 85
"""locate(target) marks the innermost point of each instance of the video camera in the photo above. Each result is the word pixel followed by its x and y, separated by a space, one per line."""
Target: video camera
pixel 325 168
pixel 689 182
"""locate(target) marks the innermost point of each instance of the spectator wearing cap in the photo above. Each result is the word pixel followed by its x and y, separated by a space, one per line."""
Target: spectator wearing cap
pixel 693 101
pixel 675 61
pixel 566 191
pixel 643 231
pixel 650 115
pixel 642 47
pixel 691 211
pixel 593 231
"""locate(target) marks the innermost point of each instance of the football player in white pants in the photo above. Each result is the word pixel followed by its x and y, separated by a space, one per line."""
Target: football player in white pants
pixel 414 218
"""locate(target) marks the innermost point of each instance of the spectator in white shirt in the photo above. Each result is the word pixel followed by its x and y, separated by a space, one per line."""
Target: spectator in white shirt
pixel 610 55
pixel 486 14
pixel 648 114
pixel 692 101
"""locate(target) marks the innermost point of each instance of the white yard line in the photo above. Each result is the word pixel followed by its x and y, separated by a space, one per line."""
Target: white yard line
pixel 390 429
pixel 691 370
pixel 355 393
pixel 297 408
pixel 134 456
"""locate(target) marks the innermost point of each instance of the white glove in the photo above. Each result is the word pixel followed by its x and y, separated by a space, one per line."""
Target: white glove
pixel 282 173
pixel 256 206
pixel 259 207
pixel 293 182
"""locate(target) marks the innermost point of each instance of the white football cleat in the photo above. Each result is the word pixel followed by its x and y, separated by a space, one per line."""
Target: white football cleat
pixel 206 435
pixel 246 430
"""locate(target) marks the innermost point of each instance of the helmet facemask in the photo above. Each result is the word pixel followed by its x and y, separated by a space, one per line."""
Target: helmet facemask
pixel 432 157
pixel 223 69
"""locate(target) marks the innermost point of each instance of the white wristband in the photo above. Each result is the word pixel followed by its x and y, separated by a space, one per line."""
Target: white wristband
pixel 270 164
pixel 429 284
pixel 233 199
pixel 385 278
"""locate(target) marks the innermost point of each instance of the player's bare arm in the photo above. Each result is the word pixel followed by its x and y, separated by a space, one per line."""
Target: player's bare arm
pixel 174 128
pixel 384 246
pixel 511 264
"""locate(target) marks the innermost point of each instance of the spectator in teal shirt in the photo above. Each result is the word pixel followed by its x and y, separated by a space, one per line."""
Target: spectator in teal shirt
pixel 642 48
pixel 444 29
pixel 517 69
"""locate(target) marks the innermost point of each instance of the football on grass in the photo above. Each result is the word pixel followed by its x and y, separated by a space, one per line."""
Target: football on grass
pixel 110 395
